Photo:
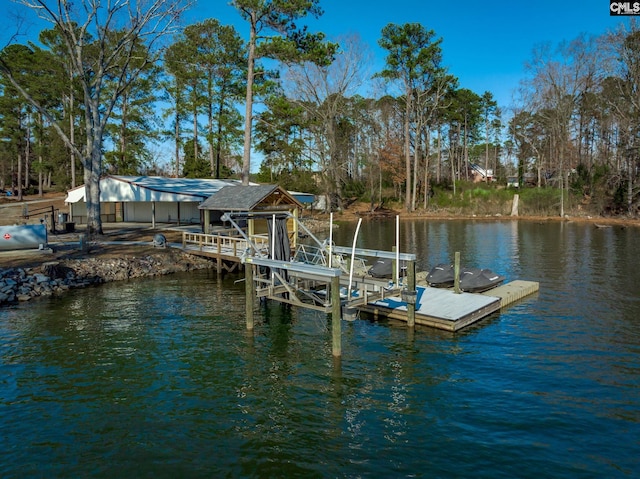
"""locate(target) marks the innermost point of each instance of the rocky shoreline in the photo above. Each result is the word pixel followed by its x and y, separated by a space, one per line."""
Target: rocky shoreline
pixel 56 277
pixel 70 268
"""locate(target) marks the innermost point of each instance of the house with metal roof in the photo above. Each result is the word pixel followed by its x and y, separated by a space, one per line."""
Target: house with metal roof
pixel 155 199
pixel 147 199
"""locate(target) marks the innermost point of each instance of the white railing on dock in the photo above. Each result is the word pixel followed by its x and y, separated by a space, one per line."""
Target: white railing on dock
pixel 226 243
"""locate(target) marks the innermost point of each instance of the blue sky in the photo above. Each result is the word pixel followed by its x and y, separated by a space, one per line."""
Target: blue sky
pixel 485 43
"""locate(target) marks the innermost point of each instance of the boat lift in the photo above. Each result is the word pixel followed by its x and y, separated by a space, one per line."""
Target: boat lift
pixel 319 277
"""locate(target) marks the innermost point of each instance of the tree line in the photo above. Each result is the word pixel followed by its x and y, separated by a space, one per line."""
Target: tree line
pixel 109 86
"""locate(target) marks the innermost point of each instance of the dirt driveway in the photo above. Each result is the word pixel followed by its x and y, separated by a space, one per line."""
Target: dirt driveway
pixel 12 211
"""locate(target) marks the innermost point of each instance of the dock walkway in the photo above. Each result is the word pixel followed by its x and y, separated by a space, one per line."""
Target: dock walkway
pixel 225 246
pixel 435 307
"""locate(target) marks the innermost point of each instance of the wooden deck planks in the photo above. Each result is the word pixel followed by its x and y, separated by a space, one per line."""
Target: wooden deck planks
pixel 447 310
pixel 513 291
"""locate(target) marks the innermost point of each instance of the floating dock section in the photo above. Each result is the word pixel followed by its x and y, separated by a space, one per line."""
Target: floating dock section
pixel 445 309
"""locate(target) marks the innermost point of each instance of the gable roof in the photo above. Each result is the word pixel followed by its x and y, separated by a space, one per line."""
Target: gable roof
pixel 250 198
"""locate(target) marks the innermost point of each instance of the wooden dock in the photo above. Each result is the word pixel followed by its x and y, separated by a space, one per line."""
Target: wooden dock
pixel 225 246
pixel 513 291
pixel 445 309
pixel 435 307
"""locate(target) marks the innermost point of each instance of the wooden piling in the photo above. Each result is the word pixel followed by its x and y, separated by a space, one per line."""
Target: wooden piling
pixel 456 273
pixel 336 320
pixel 250 294
pixel 219 260
pixel 395 267
pixel 411 286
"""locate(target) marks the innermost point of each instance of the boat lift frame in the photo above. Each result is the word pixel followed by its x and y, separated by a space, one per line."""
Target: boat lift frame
pixel 297 286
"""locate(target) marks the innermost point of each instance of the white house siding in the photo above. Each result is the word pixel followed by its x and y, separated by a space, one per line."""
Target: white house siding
pixel 166 212
pixel 189 213
pixel 139 212
pixel 78 212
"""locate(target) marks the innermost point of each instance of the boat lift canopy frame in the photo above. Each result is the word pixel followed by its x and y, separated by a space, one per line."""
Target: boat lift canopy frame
pixel 231 216
pixel 374 253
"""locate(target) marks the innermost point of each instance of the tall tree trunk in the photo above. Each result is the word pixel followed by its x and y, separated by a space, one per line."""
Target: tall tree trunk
pixel 465 150
pixel 40 172
pixel 40 177
pixel 123 135
pixel 19 179
pixel 631 169
pixel 196 153
pixel 218 146
pixel 486 149
pixel 92 185
pixel 426 168
pixel 177 142
pixel 416 162
pixel 407 148
pixel 214 156
pixel 248 114
pixel 453 173
pixel 92 164
pixel 354 155
pixel 27 154
pixel 334 164
pixel 212 160
pixel 72 135
pixel 439 165
pixel 458 155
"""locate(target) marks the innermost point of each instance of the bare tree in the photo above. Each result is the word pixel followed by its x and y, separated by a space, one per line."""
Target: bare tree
pixel 559 79
pixel 624 100
pixel 323 91
pixel 414 56
pixel 273 33
pixel 101 39
pixel 430 93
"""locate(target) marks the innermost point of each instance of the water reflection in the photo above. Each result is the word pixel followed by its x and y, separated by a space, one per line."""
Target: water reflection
pixel 160 376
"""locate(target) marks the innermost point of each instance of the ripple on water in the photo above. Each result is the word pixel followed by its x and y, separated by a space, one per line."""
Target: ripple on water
pixel 160 377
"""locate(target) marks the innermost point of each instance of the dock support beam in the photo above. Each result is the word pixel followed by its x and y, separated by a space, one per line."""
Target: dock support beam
pixel 411 286
pixel 456 273
pixel 250 294
pixel 207 221
pixel 219 258
pixel 336 320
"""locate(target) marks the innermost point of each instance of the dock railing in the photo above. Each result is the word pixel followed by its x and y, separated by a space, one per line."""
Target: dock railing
pixel 223 243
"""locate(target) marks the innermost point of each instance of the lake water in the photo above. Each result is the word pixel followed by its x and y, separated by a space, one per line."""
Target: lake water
pixel 159 378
